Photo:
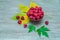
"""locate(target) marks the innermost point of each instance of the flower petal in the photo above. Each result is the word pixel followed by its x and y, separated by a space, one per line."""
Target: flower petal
pixel 23 8
pixel 33 4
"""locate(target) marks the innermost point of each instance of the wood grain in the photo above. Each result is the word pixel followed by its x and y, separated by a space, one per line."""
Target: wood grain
pixel 10 30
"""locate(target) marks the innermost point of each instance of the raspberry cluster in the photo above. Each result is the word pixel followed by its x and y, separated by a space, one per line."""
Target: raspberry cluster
pixel 35 14
pixel 19 20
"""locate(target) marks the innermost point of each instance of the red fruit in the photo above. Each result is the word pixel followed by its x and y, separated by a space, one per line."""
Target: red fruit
pixel 25 25
pixel 46 22
pixel 42 13
pixel 40 8
pixel 31 8
pixel 19 21
pixel 31 11
pixel 35 14
pixel 17 17
pixel 36 11
pixel 22 18
pixel 39 14
pixel 31 17
pixel 38 17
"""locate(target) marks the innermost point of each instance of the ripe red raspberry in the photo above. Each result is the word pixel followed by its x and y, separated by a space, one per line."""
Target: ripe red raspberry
pixel 46 22
pixel 35 14
pixel 25 25
pixel 17 17
pixel 22 18
pixel 19 21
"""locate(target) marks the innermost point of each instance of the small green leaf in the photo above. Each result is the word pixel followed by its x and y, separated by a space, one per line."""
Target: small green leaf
pixel 31 28
pixel 42 30
pixel 45 34
pixel 39 33
pixel 46 29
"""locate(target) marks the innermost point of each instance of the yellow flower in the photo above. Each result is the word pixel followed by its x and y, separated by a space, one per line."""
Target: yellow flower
pixel 23 8
pixel 32 4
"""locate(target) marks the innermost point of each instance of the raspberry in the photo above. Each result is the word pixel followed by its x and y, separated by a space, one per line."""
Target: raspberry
pixel 35 14
pixel 17 17
pixel 19 21
pixel 31 17
pixel 31 8
pixel 41 16
pixel 46 22
pixel 22 18
pixel 25 25
pixel 40 8
pixel 38 17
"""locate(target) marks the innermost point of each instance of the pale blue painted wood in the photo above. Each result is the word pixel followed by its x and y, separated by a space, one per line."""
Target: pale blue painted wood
pixel 10 30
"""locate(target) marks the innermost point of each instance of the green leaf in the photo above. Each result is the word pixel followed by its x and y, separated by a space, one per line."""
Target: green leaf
pixel 45 34
pixel 43 30
pixel 31 28
pixel 39 33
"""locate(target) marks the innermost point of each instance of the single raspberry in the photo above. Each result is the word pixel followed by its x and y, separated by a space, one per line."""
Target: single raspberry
pixel 25 25
pixel 19 21
pixel 17 17
pixel 46 22
pixel 22 18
